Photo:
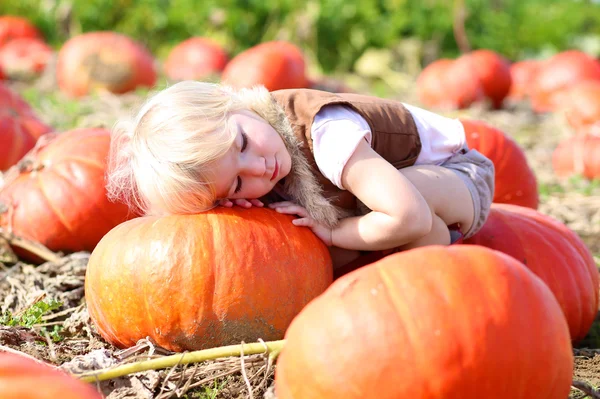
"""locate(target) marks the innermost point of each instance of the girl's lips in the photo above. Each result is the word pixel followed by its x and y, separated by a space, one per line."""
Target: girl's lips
pixel 276 171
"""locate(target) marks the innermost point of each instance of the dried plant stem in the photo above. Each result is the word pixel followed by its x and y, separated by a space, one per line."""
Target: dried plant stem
pixel 31 246
pixel 274 347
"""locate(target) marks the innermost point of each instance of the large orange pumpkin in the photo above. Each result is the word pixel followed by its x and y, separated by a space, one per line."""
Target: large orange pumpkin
pixel 200 281
pixel 12 27
pixel 578 155
pixel 460 322
pixel 24 58
pixel 19 127
pixel 56 196
pixel 22 378
pixel 558 73
pixel 515 181
pixel 105 61
pixel 553 252
pixel 196 58
pixel 276 65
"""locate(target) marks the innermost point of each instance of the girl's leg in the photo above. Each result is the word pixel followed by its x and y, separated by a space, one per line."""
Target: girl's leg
pixel 449 200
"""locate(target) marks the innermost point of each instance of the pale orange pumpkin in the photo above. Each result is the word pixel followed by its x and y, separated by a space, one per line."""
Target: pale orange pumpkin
pixel 19 127
pixel 24 58
pixel 431 88
pixel 515 181
pixel 579 155
pixel 56 196
pixel 522 74
pixel 581 104
pixel 458 322
pixel 22 378
pixel 559 73
pixel 103 61
pixel 275 65
pixel 553 252
pixel 196 58
pixel 200 281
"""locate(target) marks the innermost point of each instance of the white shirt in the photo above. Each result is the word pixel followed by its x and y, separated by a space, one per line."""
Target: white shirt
pixel 337 130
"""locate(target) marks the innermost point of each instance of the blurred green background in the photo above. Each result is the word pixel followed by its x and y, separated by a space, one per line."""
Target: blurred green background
pixel 333 33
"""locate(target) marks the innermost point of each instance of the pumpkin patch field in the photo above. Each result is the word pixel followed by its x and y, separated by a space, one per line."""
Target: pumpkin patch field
pixel 98 300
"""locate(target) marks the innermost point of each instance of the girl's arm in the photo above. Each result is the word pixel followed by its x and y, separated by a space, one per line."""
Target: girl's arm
pixel 399 214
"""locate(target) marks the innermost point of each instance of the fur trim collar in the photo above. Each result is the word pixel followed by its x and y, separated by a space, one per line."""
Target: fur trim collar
pixel 301 183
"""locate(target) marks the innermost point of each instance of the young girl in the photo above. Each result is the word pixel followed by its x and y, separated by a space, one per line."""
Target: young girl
pixel 363 173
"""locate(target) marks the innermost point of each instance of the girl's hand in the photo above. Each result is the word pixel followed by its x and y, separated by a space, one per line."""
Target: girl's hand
pixel 290 208
pixel 244 203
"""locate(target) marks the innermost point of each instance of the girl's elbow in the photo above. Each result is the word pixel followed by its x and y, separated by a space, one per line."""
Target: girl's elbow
pixel 415 225
pixel 422 224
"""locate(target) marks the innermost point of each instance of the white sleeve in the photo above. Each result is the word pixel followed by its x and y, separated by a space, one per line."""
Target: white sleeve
pixel 336 132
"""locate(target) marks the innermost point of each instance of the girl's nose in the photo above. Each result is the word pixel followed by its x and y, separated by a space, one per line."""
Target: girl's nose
pixel 254 166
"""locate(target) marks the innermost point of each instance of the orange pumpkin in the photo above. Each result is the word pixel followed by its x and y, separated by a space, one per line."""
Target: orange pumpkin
pixel 581 105
pixel 433 322
pixel 23 378
pixel 196 58
pixel 522 74
pixel 19 127
pixel 200 281
pixel 57 195
pixel 12 27
pixel 514 180
pixel 275 65
pixel 24 58
pixel 431 85
pixel 579 155
pixel 553 252
pixel 105 61
pixel 558 73
pixel 490 69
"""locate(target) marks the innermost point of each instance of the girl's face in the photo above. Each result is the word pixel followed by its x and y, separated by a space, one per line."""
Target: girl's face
pixel 256 161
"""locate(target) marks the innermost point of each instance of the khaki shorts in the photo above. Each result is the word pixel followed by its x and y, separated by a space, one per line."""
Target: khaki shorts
pixel 477 172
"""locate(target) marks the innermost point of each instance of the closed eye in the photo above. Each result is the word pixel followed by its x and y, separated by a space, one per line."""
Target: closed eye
pixel 244 141
pixel 238 187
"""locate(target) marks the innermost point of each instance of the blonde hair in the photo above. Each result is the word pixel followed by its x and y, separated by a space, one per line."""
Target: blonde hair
pixel 159 161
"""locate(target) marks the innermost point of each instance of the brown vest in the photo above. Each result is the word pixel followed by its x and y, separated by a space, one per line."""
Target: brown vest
pixel 394 133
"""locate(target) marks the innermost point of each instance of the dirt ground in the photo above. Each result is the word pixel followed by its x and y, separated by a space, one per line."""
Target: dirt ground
pixel 66 338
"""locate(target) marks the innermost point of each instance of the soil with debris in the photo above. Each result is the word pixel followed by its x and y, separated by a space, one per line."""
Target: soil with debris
pixel 65 337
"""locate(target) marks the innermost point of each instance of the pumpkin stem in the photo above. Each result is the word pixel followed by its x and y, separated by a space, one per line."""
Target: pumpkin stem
pixel 272 347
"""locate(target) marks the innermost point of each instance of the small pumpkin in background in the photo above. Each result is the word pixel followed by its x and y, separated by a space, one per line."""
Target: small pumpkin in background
pixel 579 155
pixel 276 65
pixel 558 73
pixel 19 127
pixel 13 27
pixel 23 378
pixel 430 85
pixel 553 252
pixel 515 181
pixel 200 281
pixel 196 58
pixel 433 322
pixel 490 69
pixel 24 58
pixel 522 74
pixel 581 105
pixel 56 195
pixel 103 61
